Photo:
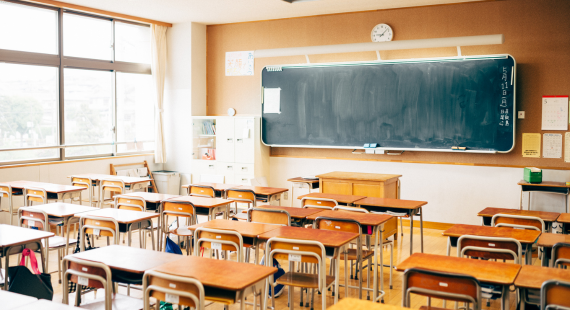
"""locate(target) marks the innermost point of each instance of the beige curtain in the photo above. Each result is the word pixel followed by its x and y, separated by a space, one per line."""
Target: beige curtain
pixel 158 66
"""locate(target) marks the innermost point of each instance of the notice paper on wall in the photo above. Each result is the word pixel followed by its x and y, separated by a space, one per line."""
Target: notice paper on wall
pixel 555 113
pixel 552 147
pixel 567 147
pixel 239 63
pixel 272 100
pixel 531 145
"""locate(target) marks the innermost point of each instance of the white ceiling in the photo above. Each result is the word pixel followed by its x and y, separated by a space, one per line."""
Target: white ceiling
pixel 232 11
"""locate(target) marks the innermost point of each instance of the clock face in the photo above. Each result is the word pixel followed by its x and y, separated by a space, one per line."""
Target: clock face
pixel 381 33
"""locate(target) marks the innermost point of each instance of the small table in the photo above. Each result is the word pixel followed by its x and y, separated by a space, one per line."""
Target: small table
pixel 311 184
pixel 410 207
pixel 346 199
pixel 221 278
pixel 218 187
pixel 547 242
pixel 12 300
pixel 376 221
pixel 130 182
pixel 545 187
pixel 295 213
pixel 126 217
pixel 487 214
pixel 14 239
pixel 54 191
pixel 497 273
pixel 266 192
pixel 531 278
pixel 525 237
pixel 330 239
pixel 564 218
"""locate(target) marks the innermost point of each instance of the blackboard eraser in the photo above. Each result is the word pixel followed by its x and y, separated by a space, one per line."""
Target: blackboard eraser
pixel 459 148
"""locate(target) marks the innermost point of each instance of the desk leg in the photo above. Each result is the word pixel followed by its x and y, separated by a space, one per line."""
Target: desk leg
pixel 345 271
pixel 129 234
pixel 159 230
pixel 505 298
pixel 520 207
pixel 291 198
pixel 6 262
pixel 337 276
pixel 256 256
pixel 411 233
pixel 422 229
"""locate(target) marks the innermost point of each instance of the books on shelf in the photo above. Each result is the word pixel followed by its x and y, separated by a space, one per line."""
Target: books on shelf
pixel 208 128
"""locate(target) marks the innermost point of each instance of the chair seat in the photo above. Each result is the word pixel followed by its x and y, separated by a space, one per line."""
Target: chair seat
pixel 307 280
pixel 240 216
pixel 182 231
pixel 352 254
pixel 120 302
pixel 58 241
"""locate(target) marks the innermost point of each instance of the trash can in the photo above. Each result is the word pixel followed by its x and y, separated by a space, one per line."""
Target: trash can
pixel 168 182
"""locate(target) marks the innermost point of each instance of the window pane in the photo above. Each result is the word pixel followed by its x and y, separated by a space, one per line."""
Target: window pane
pixel 28 111
pixel 135 112
pixel 88 111
pixel 132 43
pixel 87 37
pixel 27 28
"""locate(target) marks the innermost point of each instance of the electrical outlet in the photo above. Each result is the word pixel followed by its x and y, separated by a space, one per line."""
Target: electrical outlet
pixel 521 114
pixel 286 195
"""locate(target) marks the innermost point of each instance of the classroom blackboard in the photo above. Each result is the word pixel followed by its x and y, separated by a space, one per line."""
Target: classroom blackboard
pixel 423 105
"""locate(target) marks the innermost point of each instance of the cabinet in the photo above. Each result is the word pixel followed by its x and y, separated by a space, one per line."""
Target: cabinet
pixel 239 153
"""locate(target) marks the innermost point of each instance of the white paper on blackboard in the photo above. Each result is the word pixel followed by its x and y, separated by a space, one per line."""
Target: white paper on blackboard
pixel 271 100
pixel 552 147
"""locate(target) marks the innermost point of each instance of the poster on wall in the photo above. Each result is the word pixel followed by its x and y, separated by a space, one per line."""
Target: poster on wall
pixel 239 63
pixel 555 113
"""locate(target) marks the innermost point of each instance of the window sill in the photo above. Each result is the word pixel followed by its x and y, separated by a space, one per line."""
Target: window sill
pixel 55 162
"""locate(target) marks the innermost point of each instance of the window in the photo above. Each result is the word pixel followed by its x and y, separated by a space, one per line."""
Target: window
pixel 102 104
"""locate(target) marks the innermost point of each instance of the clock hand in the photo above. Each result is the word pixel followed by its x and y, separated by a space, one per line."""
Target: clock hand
pixel 383 33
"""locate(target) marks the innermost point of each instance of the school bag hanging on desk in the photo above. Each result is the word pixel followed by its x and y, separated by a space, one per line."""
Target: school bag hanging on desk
pixel 31 283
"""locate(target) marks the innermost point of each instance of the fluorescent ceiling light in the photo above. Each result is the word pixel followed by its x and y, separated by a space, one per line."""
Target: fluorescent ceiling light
pixel 382 46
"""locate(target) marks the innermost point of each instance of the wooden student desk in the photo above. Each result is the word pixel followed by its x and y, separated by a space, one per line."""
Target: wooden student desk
pixel 335 240
pixel 220 188
pixel 366 220
pixel 547 242
pixel 12 300
pixel 344 199
pixel 487 214
pixel 45 305
pixel 263 193
pixel 531 278
pixel 221 279
pixel 545 187
pixel 212 205
pixel 311 184
pixel 525 237
pixel 131 183
pixel 295 213
pixel 14 239
pixel 358 304
pixel 498 273
pixel 410 207
pixel 564 218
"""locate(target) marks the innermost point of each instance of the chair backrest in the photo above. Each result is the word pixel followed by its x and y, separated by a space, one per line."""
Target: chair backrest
pixel 184 209
pixel 269 216
pixel 336 224
pixel 241 195
pixel 99 226
pixel 130 203
pixel 448 286
pixel 88 273
pixel 183 291
pixel 518 221
pixel 32 194
pixel 554 295
pixel 5 191
pixel 218 239
pixel 318 203
pixel 561 255
pixel 295 250
pixel 351 209
pixel 112 185
pixel 81 181
pixel 201 191
pixel 33 218
pixel 489 248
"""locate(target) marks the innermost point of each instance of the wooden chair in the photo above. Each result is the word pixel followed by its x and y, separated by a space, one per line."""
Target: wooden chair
pixel 180 210
pixel 6 192
pixel 220 240
pixel 32 194
pixel 113 187
pixel 136 204
pixel 302 251
pixel 241 196
pixel 560 255
pixel 98 226
pixel 554 295
pixel 39 219
pixel 88 184
pixel 318 203
pixel 96 275
pixel 447 286
pixel 181 291
pixel 521 222
pixel 201 191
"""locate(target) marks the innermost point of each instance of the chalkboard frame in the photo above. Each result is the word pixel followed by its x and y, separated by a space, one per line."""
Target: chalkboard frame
pixel 398 61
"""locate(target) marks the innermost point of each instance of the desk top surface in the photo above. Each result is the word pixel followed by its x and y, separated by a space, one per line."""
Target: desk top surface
pixel 98 177
pixel 338 197
pixel 544 183
pixel 362 218
pixel 216 186
pixel 122 216
pixel 303 180
pixel 359 176
pixel 45 305
pixel 533 276
pixel 564 218
pixel 358 304
pixel 14 235
pixel 202 202
pixel 328 238
pixel 129 259
pixel 61 209
pixel 545 216
pixel 548 240
pixel 151 197
pixel 48 187
pixel 13 300
pixel 246 229
pixel 296 213
pixel 484 271
pixel 261 190
pixel 390 203
pixel 522 235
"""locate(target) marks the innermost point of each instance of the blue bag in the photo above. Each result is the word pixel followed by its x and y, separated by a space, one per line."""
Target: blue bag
pixel 172 247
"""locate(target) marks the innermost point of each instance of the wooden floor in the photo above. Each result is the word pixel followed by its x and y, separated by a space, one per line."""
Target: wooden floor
pixel 434 243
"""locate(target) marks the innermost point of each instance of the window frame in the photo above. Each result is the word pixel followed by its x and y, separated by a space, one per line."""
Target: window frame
pixel 61 62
